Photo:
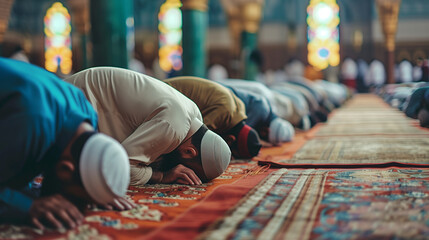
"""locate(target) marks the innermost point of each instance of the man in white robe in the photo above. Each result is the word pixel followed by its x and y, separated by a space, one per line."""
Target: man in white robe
pixel 155 123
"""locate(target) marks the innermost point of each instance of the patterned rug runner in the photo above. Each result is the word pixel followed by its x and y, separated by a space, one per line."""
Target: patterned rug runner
pixel 358 152
pixel 158 204
pixel 254 202
pixel 316 204
pixel 358 136
pixel 371 128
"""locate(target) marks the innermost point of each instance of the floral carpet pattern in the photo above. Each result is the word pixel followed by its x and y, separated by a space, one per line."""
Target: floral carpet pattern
pixel 256 200
pixel 331 204
pixel 157 204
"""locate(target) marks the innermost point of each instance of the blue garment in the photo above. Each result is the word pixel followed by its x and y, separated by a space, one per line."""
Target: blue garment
pixel 416 102
pixel 39 114
pixel 258 109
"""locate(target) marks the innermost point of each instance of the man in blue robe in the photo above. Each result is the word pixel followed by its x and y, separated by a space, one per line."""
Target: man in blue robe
pixel 48 127
pixel 260 117
pixel 418 106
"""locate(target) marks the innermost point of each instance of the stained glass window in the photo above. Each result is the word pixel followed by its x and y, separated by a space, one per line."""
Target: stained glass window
pixel 323 35
pixel 170 37
pixel 57 29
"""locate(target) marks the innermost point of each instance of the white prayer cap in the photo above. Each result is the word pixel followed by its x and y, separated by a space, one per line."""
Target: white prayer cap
pixel 349 69
pixel 104 168
pixel 217 72
pixel 405 71
pixel 215 155
pixel 280 131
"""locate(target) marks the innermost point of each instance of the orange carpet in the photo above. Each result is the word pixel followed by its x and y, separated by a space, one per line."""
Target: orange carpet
pixel 187 212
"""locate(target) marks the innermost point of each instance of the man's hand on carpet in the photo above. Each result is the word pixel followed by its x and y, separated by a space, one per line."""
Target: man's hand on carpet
pixel 182 175
pixel 120 204
pixel 55 210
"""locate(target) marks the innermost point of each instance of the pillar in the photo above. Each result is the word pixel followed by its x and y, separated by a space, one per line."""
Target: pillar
pixel 195 22
pixel 5 8
pixel 388 13
pixel 235 28
pixel 251 16
pixel 80 18
pixel 109 32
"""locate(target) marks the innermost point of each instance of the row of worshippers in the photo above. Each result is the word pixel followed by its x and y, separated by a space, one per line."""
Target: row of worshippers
pixel 103 128
pixel 358 76
pixel 361 77
pixel 91 143
pixel 411 98
pixel 292 97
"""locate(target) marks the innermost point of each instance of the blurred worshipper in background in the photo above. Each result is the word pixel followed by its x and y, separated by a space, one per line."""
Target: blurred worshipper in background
pixel 288 110
pixel 398 95
pixel 223 112
pixel 161 129
pixel 272 77
pixel 14 49
pixel 48 127
pixel 396 74
pixel 362 68
pixel 349 72
pixel 158 73
pixel 253 86
pixel 301 105
pixel 375 77
pixel 136 65
pixel 405 72
pixel 331 74
pixel 325 105
pixel 317 113
pixel 269 78
pixel 418 106
pixel 217 72
pixel 418 71
pixel 295 68
pixel 19 54
pixel 303 101
pixel 336 92
pixel 260 117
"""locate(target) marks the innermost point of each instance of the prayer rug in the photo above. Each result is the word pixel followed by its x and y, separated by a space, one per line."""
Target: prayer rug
pixel 379 128
pixel 355 152
pixel 366 117
pixel 315 204
pixel 157 205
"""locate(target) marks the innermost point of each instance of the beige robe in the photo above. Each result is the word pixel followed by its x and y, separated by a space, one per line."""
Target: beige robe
pixel 148 117
pixel 221 109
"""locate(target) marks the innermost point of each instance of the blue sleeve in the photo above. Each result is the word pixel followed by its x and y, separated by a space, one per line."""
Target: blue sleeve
pixel 15 200
pixel 416 102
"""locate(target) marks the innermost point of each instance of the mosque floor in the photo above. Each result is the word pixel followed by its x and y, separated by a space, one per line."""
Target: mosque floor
pixel 362 174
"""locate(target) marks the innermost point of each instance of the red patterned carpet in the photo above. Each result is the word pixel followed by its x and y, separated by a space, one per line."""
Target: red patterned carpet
pixel 252 201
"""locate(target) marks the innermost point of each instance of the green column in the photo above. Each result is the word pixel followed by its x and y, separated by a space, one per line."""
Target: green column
pixel 249 42
pixel 251 13
pixel 109 32
pixel 195 22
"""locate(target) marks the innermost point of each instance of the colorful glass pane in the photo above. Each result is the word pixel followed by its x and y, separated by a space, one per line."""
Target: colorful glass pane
pixel 57 30
pixel 323 35
pixel 170 37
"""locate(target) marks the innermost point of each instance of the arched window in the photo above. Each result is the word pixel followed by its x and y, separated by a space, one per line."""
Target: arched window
pixel 170 37
pixel 323 34
pixel 57 39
